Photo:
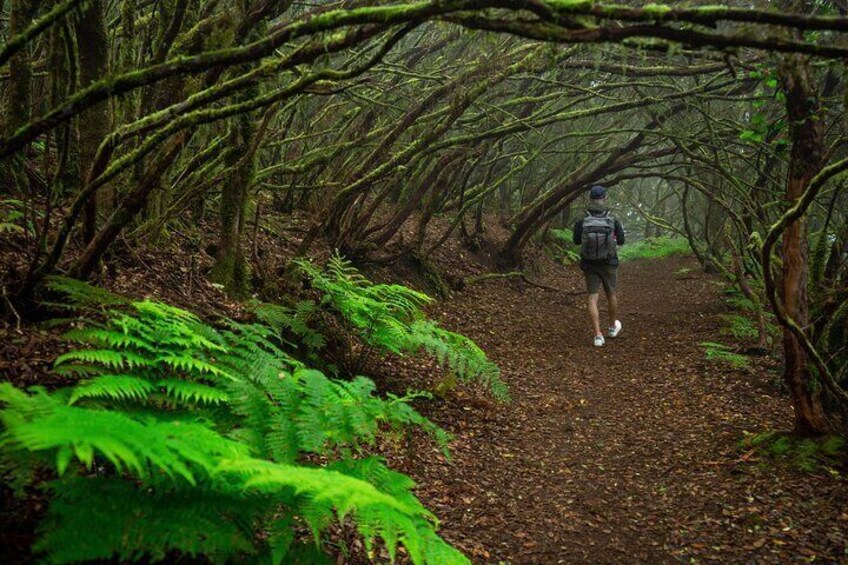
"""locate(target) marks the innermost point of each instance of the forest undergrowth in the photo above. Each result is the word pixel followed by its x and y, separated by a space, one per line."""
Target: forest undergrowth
pixel 642 449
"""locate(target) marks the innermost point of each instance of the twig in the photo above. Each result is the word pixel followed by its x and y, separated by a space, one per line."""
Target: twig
pixel 526 279
pixel 492 276
pixel 12 308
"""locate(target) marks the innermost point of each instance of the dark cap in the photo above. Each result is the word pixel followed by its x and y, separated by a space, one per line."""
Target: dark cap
pixel 597 192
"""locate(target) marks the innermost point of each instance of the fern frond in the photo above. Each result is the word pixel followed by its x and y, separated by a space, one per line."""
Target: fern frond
pixel 292 320
pixel 106 357
pixel 187 363
pixel 377 514
pixel 374 471
pixel 108 338
pixel 740 327
pixel 721 352
pixel 461 354
pixel 389 317
pixel 185 411
pixel 82 294
pixel 128 522
pixel 116 387
pixel 79 369
pixel 39 423
pixel 334 413
pixel 164 311
pixel 186 391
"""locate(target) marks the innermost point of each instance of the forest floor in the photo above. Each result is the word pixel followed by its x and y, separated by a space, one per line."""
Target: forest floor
pixel 629 453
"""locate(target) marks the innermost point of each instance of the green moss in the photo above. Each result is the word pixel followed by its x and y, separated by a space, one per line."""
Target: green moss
pixel 828 453
pixel 656 10
pixel 232 272
pixel 711 10
pixel 569 4
pixel 432 275
pixel 654 248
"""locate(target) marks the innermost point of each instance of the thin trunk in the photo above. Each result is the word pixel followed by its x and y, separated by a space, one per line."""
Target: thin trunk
pixel 128 208
pixel 414 199
pixel 231 266
pixel 95 122
pixel 18 107
pixel 806 159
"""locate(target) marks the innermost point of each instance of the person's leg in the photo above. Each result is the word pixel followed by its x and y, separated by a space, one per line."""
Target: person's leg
pixel 610 280
pixel 593 286
pixel 593 314
pixel 612 306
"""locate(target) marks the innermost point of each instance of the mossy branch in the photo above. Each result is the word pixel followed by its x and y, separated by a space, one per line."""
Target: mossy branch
pixel 789 217
pixel 44 23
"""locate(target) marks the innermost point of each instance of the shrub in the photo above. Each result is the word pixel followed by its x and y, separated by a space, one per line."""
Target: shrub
pixel 724 353
pixel 807 454
pixel 654 248
pixel 390 319
pixel 562 248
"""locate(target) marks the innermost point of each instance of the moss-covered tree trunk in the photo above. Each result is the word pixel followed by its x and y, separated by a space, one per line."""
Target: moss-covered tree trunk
pixel 94 123
pixel 231 267
pixel 806 159
pixel 18 95
pixel 62 78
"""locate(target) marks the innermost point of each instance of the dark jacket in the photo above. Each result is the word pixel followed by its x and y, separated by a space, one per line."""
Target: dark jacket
pixel 597 210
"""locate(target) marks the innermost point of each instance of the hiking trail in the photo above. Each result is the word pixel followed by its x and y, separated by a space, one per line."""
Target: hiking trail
pixel 625 453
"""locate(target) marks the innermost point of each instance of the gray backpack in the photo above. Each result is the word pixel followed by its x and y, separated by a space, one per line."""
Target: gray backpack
pixel 598 238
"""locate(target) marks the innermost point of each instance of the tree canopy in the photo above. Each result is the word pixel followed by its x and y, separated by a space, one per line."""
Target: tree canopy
pixel 123 123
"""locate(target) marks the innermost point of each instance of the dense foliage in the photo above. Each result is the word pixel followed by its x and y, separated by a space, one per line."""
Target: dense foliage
pixel 181 437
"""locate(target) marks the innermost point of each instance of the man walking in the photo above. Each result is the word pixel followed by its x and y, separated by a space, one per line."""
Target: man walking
pixel 599 234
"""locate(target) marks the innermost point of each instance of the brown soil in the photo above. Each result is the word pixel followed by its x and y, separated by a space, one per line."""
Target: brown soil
pixel 628 453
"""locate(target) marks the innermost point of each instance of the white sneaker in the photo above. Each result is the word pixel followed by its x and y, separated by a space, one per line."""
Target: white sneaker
pixel 614 330
pixel 599 340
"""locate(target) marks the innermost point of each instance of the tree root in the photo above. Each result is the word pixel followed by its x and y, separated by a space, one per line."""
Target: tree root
pixel 497 276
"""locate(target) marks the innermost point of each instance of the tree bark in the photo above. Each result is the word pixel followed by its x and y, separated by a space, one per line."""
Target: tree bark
pixel 95 122
pixel 806 159
pixel 18 107
pixel 231 267
pixel 128 208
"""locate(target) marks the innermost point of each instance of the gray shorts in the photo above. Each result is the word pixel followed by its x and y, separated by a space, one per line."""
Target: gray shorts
pixel 597 275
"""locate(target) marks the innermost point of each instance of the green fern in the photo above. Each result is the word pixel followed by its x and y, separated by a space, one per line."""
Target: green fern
pixel 162 520
pixel 115 387
pixel 740 327
pixel 44 423
pixel 178 432
pixel 390 318
pixel 12 215
pixel 740 302
pixel 562 247
pixel 294 320
pixel 723 353
pixel 81 295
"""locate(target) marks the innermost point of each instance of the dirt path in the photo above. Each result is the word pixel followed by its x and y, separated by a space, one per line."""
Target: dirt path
pixel 622 454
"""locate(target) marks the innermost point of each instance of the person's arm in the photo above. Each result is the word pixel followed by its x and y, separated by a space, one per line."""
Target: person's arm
pixel 619 233
pixel 577 234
